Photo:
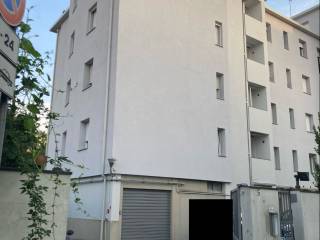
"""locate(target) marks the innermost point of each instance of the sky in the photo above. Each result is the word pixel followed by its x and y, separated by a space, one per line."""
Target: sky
pixel 46 12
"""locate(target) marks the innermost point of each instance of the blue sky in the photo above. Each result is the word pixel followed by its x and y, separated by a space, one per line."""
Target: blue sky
pixel 46 12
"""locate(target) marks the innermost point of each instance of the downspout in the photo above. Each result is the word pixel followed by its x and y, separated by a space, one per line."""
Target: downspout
pixel 106 118
pixel 247 91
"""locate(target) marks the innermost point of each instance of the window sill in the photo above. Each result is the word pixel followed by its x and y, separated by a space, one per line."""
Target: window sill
pixel 220 98
pixel 293 128
pixel 222 156
pixel 266 159
pixel 310 132
pixel 87 87
pixel 70 55
pixel 219 45
pixel 307 93
pixel 91 30
pixel 66 105
pixel 276 124
pixel 82 149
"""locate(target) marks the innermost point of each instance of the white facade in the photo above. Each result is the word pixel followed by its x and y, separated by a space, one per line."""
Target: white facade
pixel 310 19
pixel 152 102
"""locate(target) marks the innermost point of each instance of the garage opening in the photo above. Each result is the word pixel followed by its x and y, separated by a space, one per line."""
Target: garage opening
pixel 146 215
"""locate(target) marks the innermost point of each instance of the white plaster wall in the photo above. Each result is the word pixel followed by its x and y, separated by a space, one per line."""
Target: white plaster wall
pixel 83 104
pixel 166 112
pixel 284 137
pixel 14 206
pixel 313 18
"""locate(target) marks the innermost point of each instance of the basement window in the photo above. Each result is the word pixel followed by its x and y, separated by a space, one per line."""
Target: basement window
pixel 277 158
pixel 220 86
pixel 221 142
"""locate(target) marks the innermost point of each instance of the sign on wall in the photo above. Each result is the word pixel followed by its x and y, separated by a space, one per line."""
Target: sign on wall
pixel 9 46
pixel 12 11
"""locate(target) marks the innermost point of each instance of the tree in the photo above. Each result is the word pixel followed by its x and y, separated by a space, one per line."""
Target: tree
pixel 316 173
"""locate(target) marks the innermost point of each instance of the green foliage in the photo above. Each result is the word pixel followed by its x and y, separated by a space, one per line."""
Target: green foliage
pixel 316 173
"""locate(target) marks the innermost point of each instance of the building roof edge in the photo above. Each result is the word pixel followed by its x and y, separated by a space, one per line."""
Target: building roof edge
pixel 309 10
pixel 292 23
pixel 55 28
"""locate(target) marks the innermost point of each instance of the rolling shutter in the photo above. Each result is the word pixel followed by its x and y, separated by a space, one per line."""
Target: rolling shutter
pixel 145 215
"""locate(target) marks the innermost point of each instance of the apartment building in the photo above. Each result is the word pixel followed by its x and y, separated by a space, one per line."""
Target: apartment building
pixel 166 101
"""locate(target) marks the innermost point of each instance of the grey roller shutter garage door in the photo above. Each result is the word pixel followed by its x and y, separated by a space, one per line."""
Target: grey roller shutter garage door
pixel 145 215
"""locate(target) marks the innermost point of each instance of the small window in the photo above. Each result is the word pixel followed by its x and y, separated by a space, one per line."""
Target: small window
pixel 271 72
pixel 318 56
pixel 277 158
pixel 291 116
pixel 221 142
pixel 87 81
pixel 220 86
pixel 306 87
pixel 269 35
pixel 68 91
pixel 63 143
pixel 83 141
pixel 285 40
pixel 219 34
pixel 303 48
pixel 71 48
pixel 274 113
pixel 92 18
pixel 313 162
pixel 289 81
pixel 309 122
pixel 305 23
pixel 295 160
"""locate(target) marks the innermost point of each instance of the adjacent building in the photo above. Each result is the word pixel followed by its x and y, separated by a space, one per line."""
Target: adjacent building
pixel 166 101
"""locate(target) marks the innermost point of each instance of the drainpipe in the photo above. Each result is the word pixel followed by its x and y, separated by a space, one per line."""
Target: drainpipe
pixel 247 91
pixel 106 122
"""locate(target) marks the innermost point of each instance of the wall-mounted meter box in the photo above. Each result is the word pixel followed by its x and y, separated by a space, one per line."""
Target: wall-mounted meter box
pixel 274 222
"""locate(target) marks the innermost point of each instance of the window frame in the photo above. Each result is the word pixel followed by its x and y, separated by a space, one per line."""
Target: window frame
pixel 274 114
pixel 277 159
pixel 220 86
pixel 295 160
pixel 303 48
pixel 72 42
pixel 285 36
pixel 87 75
pixel 271 72
pixel 63 143
pixel 68 92
pixel 92 18
pixel 292 118
pixel 309 122
pixel 219 33
pixel 269 32
pixel 83 136
pixel 306 83
pixel 222 150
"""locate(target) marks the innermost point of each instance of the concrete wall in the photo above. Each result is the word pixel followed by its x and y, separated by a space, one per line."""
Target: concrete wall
pixel 312 18
pixel 13 206
pixel 306 215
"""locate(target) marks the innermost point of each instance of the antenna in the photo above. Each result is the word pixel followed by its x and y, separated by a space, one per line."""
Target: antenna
pixel 290 4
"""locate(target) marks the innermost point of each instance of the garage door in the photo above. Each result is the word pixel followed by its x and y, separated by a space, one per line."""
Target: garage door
pixel 145 215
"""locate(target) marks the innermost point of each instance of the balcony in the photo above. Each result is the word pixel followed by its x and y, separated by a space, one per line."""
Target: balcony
pixel 259 120
pixel 255 29
pixel 260 146
pixel 263 171
pixel 257 73
pixel 255 50
pixel 253 8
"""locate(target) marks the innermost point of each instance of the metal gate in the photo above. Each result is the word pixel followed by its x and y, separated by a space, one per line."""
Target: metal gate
pixel 146 215
pixel 286 218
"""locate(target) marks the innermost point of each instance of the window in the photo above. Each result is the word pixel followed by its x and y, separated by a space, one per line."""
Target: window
pixel 63 143
pixel 269 36
pixel 306 88
pixel 288 75
pixel 313 162
pixel 83 142
pixel 221 142
pixel 87 81
pixel 220 86
pixel 285 40
pixel 219 34
pixel 215 187
pixel 295 160
pixel 305 23
pixel 92 18
pixel 274 113
pixel 277 158
pixel 309 122
pixel 292 121
pixel 303 48
pixel 71 48
pixel 68 91
pixel 271 72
